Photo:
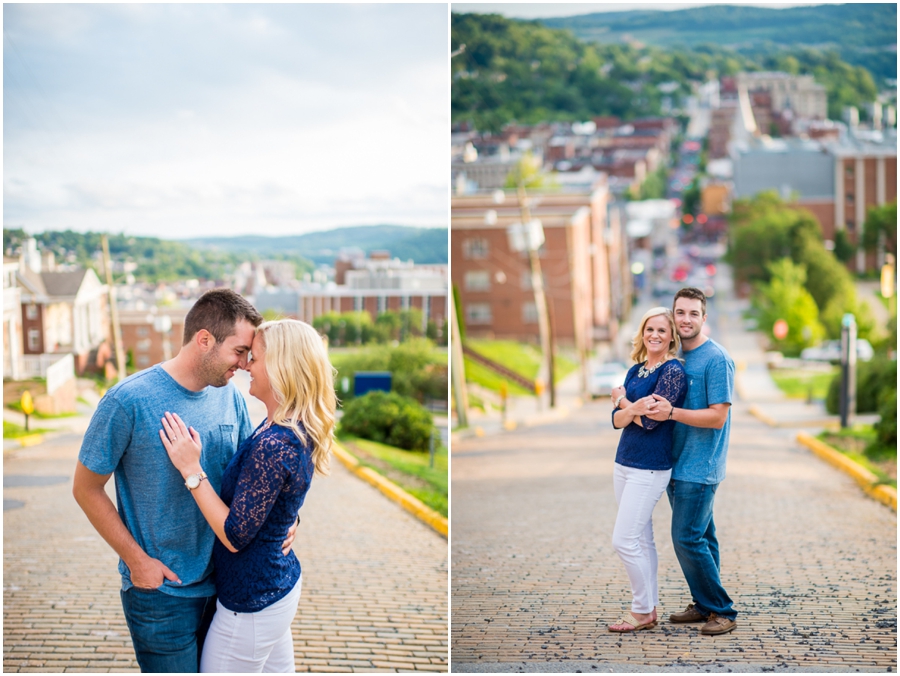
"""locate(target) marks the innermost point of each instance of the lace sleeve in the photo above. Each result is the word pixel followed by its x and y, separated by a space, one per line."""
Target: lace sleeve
pixel 261 480
pixel 672 385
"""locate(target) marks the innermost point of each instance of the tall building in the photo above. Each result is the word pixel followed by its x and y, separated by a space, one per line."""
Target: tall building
pixel 579 261
pixel 797 93
pixel 838 181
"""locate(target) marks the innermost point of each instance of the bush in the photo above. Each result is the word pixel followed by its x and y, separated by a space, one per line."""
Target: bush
pixel 389 418
pixel 873 380
pixel 886 429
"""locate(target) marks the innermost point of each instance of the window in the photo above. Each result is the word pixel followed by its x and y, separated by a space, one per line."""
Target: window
pixel 34 339
pixel 357 303
pixel 143 331
pixel 851 225
pixel 475 248
pixel 382 304
pixel 478 313
pixel 850 198
pixel 848 171
pixel 529 313
pixel 31 311
pixel 478 280
pixel 144 345
pixel 143 360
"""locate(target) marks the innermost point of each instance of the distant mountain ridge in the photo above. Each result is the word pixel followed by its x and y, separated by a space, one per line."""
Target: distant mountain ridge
pixel 422 245
pixel 858 24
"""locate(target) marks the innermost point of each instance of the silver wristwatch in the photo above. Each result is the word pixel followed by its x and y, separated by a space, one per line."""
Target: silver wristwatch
pixel 194 480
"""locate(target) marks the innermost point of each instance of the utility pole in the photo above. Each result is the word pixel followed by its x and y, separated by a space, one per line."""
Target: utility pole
pixel 533 236
pixel 113 311
pixel 458 368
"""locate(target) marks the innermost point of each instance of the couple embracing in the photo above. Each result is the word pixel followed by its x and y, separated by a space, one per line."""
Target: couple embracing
pixel 675 422
pixel 207 506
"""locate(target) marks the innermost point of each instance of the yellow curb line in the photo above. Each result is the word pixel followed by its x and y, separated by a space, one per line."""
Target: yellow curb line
pixel 23 442
pixel 865 478
pixel 755 411
pixel 411 504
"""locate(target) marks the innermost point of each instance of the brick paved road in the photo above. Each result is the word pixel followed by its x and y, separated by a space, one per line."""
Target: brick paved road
pixel 810 561
pixel 374 581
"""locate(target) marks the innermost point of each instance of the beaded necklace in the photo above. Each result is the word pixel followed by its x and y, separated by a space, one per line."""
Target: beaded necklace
pixel 645 372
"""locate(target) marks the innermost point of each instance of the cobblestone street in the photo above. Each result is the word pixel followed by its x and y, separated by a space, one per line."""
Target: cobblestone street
pixel 809 560
pixel 374 577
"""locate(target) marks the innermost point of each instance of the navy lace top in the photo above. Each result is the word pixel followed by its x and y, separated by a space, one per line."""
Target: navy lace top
pixel 650 446
pixel 264 485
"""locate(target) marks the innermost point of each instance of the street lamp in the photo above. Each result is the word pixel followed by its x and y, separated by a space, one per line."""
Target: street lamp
pixel 528 235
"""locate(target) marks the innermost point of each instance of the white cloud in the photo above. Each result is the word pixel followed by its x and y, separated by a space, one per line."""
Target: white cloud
pixel 174 119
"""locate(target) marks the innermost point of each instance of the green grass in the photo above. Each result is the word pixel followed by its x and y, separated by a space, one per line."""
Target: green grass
pixel 413 464
pixel 852 443
pixel 795 383
pixel 482 375
pixel 522 358
pixel 17 406
pixel 13 431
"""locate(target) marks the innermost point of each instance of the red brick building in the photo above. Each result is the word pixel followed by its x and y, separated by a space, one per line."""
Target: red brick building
pixel 494 282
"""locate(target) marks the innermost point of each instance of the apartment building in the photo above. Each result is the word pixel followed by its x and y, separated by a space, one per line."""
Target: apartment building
pixel 580 261
pixel 838 181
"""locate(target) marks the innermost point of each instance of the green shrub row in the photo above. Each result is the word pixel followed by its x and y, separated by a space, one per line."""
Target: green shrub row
pixel 389 418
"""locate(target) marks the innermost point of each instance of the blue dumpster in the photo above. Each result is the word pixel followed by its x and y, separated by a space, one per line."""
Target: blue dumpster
pixel 368 381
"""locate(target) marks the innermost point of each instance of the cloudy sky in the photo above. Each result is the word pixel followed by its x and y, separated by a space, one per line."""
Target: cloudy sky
pixel 539 10
pixel 195 119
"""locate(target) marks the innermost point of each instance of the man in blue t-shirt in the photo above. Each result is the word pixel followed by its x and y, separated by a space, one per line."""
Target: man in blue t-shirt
pixel 700 447
pixel 162 539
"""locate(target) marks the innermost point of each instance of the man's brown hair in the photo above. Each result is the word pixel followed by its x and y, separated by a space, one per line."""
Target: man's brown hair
pixel 693 293
pixel 218 311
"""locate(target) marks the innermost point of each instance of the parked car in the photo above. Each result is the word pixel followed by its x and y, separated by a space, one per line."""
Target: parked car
pixel 606 376
pixel 830 350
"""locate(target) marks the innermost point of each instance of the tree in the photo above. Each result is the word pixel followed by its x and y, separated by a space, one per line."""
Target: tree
pixel 785 297
pixel 526 171
pixel 844 250
pixel 881 222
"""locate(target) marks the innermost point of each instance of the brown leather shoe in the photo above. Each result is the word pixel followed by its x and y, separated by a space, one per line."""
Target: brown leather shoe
pixel 690 614
pixel 717 625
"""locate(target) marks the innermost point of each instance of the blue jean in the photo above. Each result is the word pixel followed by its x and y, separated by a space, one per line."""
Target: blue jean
pixel 696 546
pixel 167 631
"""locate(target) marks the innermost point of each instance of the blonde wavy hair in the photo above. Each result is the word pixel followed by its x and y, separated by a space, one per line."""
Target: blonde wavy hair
pixel 302 379
pixel 639 352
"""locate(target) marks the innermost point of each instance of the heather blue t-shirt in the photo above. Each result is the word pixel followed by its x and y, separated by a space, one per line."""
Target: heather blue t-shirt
pixel 699 453
pixel 650 446
pixel 153 502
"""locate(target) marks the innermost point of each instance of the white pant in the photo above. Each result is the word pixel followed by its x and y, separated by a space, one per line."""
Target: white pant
pixel 260 642
pixel 637 492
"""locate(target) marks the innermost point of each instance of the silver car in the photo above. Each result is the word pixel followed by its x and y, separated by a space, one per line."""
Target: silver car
pixel 606 376
pixel 830 350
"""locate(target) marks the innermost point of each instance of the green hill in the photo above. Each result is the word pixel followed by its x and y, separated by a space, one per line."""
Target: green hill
pixel 529 72
pixel 863 34
pixel 422 245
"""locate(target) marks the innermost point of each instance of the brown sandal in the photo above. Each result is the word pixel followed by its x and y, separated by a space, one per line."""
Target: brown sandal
pixel 631 621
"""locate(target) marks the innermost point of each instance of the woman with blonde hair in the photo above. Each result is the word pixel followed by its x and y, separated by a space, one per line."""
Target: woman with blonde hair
pixel 264 485
pixel 643 463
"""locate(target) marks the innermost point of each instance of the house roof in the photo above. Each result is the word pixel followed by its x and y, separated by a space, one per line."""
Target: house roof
pixel 63 283
pixel 31 280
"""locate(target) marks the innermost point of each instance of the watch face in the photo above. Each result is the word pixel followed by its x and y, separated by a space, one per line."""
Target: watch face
pixel 193 481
